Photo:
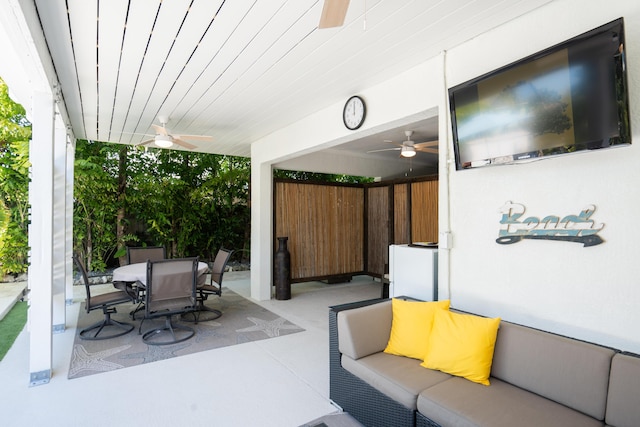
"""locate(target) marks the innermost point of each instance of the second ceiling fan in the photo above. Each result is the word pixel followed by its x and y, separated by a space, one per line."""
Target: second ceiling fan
pixel 409 148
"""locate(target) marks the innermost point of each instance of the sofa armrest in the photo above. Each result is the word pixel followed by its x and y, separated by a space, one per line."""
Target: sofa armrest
pixel 364 330
pixel 368 405
pixel 623 400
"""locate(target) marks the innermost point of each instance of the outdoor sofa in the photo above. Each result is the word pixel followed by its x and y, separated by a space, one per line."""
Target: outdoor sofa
pixel 536 379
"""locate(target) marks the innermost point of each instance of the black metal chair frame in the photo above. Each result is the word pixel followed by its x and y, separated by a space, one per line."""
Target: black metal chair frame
pixel 107 303
pixel 213 288
pixel 169 326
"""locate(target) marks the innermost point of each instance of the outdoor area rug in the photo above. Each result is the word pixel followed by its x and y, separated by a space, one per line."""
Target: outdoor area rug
pixel 241 321
pixel 339 419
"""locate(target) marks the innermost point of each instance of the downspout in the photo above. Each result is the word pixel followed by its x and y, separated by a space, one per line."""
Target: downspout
pixel 444 214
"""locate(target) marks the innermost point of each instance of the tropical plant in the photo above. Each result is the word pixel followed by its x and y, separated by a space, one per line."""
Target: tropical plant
pixel 190 203
pixel 15 132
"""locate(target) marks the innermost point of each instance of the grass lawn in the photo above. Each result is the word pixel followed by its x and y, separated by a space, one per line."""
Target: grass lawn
pixel 11 326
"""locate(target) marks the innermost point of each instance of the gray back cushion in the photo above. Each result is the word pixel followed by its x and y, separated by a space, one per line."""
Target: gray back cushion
pixel 568 371
pixel 365 330
pixel 623 402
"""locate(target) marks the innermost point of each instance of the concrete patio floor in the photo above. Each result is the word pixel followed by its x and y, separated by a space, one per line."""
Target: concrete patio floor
pixel 278 382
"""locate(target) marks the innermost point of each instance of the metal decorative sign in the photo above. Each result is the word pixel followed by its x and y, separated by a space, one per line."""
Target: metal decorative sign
pixel 571 228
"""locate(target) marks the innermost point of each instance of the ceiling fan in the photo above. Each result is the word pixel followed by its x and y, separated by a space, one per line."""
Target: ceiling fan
pixel 333 13
pixel 164 138
pixel 409 148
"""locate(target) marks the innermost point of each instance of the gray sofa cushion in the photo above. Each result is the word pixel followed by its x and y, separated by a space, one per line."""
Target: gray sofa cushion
pixel 365 330
pixel 568 371
pixel 400 378
pixel 462 403
pixel 623 401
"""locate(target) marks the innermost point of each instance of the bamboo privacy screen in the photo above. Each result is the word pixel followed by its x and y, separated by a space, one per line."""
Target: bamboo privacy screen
pixel 424 211
pixel 342 230
pixel 325 227
pixel 401 217
pixel 378 220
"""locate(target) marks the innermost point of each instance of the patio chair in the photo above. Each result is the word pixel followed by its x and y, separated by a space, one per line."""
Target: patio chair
pixel 137 254
pixel 107 303
pixel 214 287
pixel 171 290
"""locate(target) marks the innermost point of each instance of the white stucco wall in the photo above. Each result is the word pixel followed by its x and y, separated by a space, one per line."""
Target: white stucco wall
pixel 590 293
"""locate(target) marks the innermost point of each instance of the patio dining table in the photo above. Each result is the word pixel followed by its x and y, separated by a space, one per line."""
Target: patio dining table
pixel 137 273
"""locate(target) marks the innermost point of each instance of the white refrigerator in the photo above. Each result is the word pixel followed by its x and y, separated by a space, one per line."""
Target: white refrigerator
pixel 413 271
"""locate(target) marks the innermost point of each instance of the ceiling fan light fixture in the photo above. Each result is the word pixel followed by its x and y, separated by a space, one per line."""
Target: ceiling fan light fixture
pixel 407 151
pixel 163 141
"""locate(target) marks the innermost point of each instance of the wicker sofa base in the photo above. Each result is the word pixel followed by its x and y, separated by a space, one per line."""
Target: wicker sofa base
pixel 422 421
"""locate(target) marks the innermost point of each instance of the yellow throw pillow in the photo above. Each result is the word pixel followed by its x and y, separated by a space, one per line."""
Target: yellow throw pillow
pixel 411 325
pixel 462 345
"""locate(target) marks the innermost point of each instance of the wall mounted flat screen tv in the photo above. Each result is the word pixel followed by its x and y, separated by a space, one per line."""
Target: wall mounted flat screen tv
pixel 568 98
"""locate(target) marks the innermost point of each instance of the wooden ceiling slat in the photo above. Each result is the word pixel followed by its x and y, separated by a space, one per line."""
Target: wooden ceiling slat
pixel 139 24
pixel 197 22
pixel 110 26
pixel 59 44
pixel 82 17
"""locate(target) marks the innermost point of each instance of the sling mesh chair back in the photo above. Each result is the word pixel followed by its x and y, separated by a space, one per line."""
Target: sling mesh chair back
pixel 171 290
pixel 107 327
pixel 145 253
pixel 135 255
pixel 214 287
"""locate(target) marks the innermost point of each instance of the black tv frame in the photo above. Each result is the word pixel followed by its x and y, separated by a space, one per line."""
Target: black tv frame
pixel 618 106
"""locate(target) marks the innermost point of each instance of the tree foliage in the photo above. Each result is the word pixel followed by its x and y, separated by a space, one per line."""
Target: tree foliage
pixel 320 177
pixel 15 132
pixel 190 203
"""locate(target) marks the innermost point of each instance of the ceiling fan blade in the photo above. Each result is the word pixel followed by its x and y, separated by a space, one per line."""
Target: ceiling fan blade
pixel 160 129
pixel 425 144
pixel 427 147
pixel 383 149
pixel 182 143
pixel 196 137
pixel 145 142
pixel 427 150
pixel 333 13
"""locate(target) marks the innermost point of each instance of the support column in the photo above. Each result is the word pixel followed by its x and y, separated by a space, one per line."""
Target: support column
pixel 71 155
pixel 59 225
pixel 41 240
pixel 261 231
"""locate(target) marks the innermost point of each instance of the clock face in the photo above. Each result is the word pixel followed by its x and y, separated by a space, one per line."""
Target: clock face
pixel 354 113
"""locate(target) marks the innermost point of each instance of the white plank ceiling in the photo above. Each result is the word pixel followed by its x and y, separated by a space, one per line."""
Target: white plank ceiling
pixel 240 69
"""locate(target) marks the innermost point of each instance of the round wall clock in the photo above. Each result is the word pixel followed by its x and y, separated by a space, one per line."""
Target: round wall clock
pixel 354 112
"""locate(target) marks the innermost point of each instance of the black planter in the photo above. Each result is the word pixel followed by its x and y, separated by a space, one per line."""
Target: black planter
pixel 281 270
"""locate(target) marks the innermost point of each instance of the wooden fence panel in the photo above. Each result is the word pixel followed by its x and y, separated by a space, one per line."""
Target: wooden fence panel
pixel 424 211
pixel 377 229
pixel 325 227
pixel 401 220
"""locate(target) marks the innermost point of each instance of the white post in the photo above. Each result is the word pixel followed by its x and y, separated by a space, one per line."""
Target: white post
pixel 41 240
pixel 261 230
pixel 59 225
pixel 71 151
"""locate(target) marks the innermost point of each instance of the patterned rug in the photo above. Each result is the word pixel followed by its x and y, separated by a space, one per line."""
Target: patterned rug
pixel 242 321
